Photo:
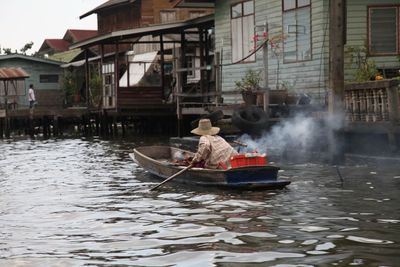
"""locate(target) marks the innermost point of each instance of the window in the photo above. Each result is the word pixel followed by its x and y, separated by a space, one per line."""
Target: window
pixel 48 78
pixel 190 60
pixel 167 16
pixel 242 31
pixel 383 30
pixel 297 30
pixel 108 72
pixel 196 14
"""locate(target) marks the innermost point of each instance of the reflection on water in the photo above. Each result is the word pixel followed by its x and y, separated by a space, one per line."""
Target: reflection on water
pixel 80 202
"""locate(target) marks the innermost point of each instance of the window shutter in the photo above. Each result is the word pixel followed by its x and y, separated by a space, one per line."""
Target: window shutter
pixel 383 30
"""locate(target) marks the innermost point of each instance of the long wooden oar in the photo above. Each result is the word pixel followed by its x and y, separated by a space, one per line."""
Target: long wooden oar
pixel 239 143
pixel 172 177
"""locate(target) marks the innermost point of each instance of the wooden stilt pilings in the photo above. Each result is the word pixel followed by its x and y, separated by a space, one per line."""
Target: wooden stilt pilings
pixel 7 127
pixel 44 124
pixel 1 128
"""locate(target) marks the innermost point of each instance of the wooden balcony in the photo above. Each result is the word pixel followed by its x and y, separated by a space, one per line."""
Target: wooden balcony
pixel 373 108
pixel 375 101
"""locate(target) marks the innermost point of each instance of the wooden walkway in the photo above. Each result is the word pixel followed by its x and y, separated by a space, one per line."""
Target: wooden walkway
pixel 83 122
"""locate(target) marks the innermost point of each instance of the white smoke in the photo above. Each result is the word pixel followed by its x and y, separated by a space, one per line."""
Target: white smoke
pixel 299 134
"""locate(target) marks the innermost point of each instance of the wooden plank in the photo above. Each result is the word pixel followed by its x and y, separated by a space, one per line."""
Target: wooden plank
pixel 207 67
pixel 49 98
pixel 336 44
pixel 194 111
pixel 197 94
pixel 371 127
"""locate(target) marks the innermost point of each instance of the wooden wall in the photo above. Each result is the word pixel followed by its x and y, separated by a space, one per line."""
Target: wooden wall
pixel 307 76
pixel 181 13
pixel 139 97
pixel 119 18
pixel 357 19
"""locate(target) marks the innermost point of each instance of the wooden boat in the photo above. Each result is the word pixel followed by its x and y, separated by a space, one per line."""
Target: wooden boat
pixel 157 160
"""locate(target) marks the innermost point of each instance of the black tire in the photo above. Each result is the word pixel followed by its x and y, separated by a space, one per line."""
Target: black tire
pixel 251 119
pixel 213 116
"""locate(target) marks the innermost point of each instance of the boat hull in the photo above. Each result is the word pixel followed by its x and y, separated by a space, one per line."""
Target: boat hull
pixel 155 159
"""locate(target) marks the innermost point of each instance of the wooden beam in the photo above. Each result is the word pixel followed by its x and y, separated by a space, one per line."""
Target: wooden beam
pixel 266 86
pixel 87 77
pixel 336 56
pixel 102 77
pixel 202 61
pixel 336 75
pixel 116 76
pixel 183 59
pixel 217 72
pixel 162 66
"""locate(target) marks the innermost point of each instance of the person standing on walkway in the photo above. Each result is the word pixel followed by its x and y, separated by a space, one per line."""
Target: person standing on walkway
pixel 31 96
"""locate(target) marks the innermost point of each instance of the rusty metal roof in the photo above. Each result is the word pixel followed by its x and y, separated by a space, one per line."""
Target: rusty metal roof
pixel 59 45
pixel 12 74
pixel 29 58
pixel 79 35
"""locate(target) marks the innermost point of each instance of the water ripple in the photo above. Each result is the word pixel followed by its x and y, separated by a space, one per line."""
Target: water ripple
pixel 80 202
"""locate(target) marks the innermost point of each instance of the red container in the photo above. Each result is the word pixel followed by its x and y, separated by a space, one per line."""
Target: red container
pixel 249 159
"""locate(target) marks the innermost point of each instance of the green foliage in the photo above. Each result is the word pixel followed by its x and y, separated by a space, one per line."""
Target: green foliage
pixel 96 88
pixel 249 82
pixel 366 72
pixel 69 86
pixel 366 68
pixel 26 47
pixel 288 85
pixel 7 51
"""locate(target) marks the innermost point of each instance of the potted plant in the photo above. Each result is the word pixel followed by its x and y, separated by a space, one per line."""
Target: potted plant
pixel 73 85
pixel 249 85
pixel 96 89
pixel 366 69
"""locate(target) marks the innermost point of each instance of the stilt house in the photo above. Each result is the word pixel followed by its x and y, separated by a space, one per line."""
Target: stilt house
pixel 145 38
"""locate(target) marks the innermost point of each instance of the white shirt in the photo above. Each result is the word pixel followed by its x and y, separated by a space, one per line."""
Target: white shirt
pixel 31 95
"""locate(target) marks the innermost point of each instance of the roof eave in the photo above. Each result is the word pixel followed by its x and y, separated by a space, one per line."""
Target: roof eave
pixel 32 58
pixel 139 32
pixel 100 8
pixel 195 4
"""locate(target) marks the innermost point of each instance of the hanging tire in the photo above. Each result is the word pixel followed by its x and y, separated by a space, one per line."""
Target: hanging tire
pixel 213 116
pixel 251 119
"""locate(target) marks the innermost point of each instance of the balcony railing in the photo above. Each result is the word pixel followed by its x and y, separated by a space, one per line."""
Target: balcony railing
pixel 375 101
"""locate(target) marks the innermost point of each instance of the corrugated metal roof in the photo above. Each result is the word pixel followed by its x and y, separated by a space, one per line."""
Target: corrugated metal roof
pixel 59 45
pixel 12 73
pixel 79 35
pixel 82 62
pixel 108 4
pixel 167 28
pixel 29 58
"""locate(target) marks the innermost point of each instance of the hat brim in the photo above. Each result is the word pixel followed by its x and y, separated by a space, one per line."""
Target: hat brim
pixel 212 131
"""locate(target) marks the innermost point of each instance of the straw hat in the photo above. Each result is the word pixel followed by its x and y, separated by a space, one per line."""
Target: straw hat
pixel 205 128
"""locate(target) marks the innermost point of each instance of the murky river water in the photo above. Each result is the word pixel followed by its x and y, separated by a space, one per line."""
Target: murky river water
pixel 84 203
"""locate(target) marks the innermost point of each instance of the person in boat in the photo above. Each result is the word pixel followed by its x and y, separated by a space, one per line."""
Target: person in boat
pixel 213 151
